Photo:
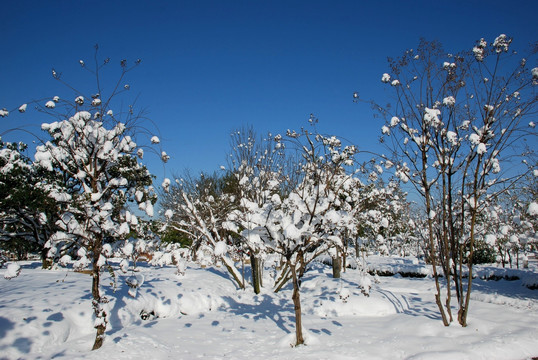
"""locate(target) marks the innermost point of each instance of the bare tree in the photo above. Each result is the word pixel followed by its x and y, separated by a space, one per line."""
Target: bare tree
pixel 455 120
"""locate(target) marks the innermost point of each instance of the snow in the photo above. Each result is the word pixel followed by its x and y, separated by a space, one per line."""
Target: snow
pixel 107 250
pixel 140 153
pixel 384 222
pixel 490 239
pixel 12 271
pixel 220 248
pixel 495 166
pixel 59 196
pixel 124 229
pixel 474 139
pixel 431 116
pixel 81 263
pixel 402 175
pixel 501 43
pixel 80 174
pixel 478 50
pixel 148 208
pixel 202 315
pixel 128 249
pixel 533 209
pixel 168 214
pixel 139 195
pixel 449 101
pixel 452 138
pixel 164 156
pixel 166 184
pixel 96 197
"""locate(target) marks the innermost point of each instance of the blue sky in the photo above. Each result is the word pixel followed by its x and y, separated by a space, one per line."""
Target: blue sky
pixel 209 67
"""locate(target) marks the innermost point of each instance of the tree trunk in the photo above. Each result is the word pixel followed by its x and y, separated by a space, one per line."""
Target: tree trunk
pixel 46 263
pixel 501 254
pixel 297 306
pixel 433 260
pixel 243 267
pixel 238 278
pixel 100 314
pixel 464 310
pixel 446 219
pixel 283 278
pixel 337 266
pixel 256 269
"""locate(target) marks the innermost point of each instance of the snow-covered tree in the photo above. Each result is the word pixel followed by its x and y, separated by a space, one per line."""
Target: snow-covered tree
pixel 101 163
pixel 306 222
pixel 457 127
pixel 258 166
pixel 511 223
pixel 93 150
pixel 382 214
pixel 199 209
pixel 209 210
pixel 27 205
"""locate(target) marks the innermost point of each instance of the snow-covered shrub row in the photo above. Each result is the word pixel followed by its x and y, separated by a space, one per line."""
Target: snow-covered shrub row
pixel 529 278
pixel 403 269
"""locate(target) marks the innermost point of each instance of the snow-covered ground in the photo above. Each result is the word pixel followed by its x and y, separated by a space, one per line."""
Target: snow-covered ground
pixel 47 314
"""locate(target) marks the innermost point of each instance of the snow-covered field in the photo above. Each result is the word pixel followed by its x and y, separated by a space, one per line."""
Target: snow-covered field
pixel 47 314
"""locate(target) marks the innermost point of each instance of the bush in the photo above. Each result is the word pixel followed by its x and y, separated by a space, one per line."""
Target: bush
pixel 483 253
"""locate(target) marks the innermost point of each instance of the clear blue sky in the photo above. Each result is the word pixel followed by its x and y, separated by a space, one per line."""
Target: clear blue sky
pixel 209 67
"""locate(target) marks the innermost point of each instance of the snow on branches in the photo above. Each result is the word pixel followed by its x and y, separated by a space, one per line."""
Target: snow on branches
pixel 100 163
